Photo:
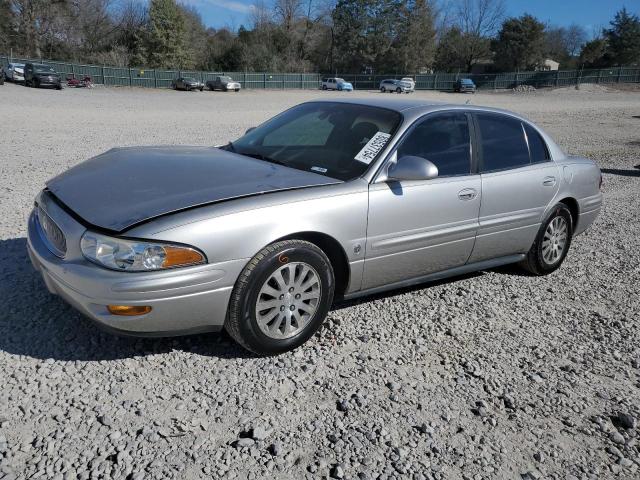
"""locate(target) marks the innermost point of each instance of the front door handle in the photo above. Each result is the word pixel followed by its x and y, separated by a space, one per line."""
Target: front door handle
pixel 467 194
pixel 549 181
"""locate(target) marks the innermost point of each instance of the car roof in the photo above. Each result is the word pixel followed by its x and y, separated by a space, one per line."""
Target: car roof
pixel 396 104
pixel 417 107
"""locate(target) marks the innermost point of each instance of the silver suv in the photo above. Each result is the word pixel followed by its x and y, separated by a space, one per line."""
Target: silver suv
pixel 398 86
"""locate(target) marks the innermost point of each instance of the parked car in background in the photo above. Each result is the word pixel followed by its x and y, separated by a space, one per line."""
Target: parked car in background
pixel 410 81
pixel 1 79
pixel 37 75
pixel 187 83
pixel 336 84
pixel 329 199
pixel 398 86
pixel 464 85
pixel 13 72
pixel 224 83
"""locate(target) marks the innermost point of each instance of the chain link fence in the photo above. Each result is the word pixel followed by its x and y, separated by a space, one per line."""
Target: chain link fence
pixel 157 78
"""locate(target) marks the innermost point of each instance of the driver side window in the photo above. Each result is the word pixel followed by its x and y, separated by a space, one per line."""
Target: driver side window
pixel 444 140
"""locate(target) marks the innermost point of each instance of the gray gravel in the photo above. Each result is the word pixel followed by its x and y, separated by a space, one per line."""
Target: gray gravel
pixel 493 375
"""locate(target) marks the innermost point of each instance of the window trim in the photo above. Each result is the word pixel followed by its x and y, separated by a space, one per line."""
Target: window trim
pixel 547 153
pixel 472 149
pixel 481 165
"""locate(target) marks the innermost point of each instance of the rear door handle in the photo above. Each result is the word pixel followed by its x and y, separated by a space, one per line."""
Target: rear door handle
pixel 467 194
pixel 549 181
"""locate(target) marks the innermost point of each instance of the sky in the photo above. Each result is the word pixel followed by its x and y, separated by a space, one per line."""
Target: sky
pixel 591 14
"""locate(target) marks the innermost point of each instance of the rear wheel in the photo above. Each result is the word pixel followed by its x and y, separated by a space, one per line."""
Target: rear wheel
pixel 324 87
pixel 382 89
pixel 281 297
pixel 398 90
pixel 552 242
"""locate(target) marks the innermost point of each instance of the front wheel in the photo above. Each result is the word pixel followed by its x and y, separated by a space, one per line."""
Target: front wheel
pixel 281 297
pixel 398 90
pixel 552 242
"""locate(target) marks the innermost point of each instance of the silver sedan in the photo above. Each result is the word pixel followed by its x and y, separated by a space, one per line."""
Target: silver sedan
pixel 328 200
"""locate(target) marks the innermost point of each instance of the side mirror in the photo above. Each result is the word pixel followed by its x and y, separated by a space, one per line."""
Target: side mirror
pixel 251 129
pixel 411 167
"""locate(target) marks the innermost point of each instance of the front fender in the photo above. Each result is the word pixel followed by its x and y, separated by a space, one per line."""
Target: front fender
pixel 238 229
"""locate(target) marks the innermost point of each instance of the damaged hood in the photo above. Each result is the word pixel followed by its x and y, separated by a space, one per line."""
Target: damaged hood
pixel 126 186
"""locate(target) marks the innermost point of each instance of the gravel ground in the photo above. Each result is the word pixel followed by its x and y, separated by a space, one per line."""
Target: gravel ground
pixel 492 375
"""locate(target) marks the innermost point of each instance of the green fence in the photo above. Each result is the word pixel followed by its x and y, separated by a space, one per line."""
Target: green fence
pixel 156 78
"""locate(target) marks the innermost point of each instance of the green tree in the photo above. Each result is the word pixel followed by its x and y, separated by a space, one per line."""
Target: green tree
pixel 593 53
pixel 520 44
pixel 166 37
pixel 449 54
pixel 623 39
pixel 414 47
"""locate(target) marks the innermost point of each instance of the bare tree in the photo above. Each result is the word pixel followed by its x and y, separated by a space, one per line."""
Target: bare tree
pixel 288 11
pixel 576 37
pixel 480 17
pixel 477 21
pixel 261 16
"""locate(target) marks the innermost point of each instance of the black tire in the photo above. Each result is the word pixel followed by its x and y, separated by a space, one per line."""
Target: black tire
pixel 201 89
pixel 237 90
pixel 398 90
pixel 324 87
pixel 535 262
pixel 241 322
pixel 382 89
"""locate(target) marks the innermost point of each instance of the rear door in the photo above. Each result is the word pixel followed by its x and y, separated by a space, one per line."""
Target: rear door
pixel 420 227
pixel 519 180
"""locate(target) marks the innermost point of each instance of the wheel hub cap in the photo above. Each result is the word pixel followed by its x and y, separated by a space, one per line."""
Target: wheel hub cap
pixel 555 240
pixel 288 300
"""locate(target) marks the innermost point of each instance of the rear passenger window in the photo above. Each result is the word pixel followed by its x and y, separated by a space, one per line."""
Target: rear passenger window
pixel 537 147
pixel 442 139
pixel 502 142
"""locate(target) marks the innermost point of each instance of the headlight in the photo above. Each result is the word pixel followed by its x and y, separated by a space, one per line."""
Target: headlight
pixel 137 256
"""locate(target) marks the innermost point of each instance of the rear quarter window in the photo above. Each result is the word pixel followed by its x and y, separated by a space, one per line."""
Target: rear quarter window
pixel 502 142
pixel 537 146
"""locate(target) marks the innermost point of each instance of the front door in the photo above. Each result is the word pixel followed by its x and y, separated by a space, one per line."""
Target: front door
pixel 420 227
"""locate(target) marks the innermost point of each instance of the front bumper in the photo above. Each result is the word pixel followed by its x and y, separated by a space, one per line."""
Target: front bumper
pixel 185 300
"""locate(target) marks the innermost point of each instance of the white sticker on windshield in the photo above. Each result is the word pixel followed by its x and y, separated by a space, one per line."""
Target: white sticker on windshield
pixel 373 147
pixel 319 169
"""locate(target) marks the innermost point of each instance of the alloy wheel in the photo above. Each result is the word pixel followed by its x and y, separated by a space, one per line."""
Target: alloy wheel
pixel 288 300
pixel 554 240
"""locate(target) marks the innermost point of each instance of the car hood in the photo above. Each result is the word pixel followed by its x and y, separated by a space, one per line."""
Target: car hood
pixel 126 186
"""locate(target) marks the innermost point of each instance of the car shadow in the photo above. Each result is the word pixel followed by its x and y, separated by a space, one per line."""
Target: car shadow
pixel 340 303
pixel 624 173
pixel 38 324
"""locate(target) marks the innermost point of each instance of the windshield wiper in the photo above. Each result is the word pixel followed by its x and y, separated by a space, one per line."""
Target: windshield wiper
pixel 259 156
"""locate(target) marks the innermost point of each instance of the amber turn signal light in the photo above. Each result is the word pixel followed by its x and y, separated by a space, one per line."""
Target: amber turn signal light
pixel 128 310
pixel 180 256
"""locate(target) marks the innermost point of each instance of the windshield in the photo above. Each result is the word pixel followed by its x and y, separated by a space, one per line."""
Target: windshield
pixel 467 81
pixel 225 79
pixel 328 138
pixel 340 80
pixel 43 69
pixel 189 79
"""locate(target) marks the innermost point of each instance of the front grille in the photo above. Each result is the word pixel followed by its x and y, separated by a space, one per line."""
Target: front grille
pixel 51 233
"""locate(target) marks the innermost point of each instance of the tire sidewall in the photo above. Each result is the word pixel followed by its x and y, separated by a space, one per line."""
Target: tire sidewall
pixel 255 338
pixel 558 210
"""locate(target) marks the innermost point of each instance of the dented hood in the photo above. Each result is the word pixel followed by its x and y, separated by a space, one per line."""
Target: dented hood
pixel 126 186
